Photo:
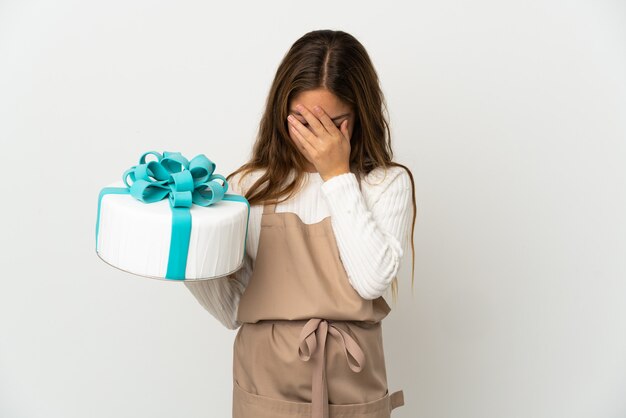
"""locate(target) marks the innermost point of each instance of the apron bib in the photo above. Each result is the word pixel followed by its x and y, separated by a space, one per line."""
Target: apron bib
pixel 309 344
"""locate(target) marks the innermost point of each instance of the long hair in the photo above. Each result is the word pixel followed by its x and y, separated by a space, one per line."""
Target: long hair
pixel 337 62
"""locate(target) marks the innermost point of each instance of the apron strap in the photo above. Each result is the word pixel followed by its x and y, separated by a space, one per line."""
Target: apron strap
pixel 311 346
pixel 397 399
pixel 269 208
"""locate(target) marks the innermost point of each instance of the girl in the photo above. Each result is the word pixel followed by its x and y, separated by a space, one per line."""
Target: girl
pixel 308 300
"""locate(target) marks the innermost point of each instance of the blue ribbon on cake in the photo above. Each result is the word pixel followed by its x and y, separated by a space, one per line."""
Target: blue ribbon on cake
pixel 184 183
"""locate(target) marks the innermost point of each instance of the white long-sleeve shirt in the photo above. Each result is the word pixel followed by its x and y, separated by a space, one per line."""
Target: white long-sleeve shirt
pixel 372 227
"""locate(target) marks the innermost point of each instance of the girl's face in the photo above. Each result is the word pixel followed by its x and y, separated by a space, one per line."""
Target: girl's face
pixel 336 109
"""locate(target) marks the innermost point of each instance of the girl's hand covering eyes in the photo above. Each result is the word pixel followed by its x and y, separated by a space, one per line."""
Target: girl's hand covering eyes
pixel 325 145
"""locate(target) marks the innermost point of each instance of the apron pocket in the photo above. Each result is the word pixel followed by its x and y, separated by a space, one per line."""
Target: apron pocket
pixel 250 405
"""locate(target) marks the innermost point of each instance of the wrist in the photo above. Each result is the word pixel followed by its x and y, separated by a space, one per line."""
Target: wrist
pixel 328 176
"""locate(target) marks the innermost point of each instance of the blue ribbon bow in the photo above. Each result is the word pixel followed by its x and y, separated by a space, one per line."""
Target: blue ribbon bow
pixel 184 183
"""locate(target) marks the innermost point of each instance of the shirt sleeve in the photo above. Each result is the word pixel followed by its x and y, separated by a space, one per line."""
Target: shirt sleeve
pixel 371 241
pixel 220 297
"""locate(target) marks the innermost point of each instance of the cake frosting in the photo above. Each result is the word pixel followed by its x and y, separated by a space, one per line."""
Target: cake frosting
pixel 144 235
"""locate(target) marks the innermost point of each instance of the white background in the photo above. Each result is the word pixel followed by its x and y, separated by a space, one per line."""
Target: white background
pixel 512 116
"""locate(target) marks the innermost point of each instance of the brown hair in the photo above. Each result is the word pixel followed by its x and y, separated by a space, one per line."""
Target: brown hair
pixel 338 62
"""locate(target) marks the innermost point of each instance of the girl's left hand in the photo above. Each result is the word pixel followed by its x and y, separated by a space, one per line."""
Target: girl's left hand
pixel 326 146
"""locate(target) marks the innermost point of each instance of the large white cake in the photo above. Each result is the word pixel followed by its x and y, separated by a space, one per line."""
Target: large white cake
pixel 139 237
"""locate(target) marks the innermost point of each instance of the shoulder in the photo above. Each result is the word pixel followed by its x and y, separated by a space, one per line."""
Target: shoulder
pixel 387 183
pixel 240 182
pixel 381 179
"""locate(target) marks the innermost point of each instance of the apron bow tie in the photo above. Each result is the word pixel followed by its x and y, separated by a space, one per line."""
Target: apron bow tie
pixel 317 329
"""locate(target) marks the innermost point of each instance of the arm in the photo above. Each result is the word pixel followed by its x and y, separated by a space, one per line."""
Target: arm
pixel 371 242
pixel 220 297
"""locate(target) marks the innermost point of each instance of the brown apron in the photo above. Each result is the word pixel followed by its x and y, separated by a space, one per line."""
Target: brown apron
pixel 299 293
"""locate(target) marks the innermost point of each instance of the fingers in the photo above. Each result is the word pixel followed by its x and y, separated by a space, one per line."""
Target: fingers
pixel 317 127
pixel 302 143
pixel 344 130
pixel 329 125
pixel 300 129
